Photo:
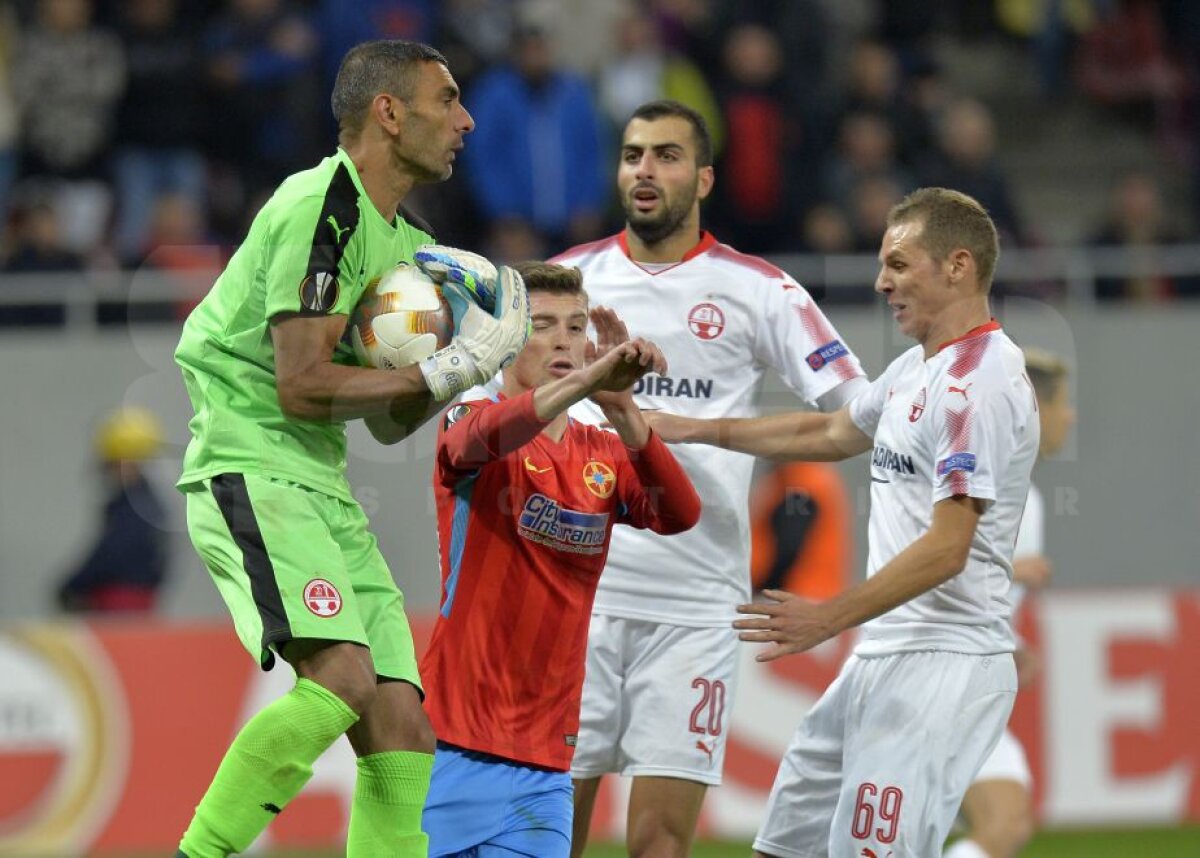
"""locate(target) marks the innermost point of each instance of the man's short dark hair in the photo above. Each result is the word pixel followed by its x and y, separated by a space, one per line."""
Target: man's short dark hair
pixel 653 110
pixel 385 65
pixel 552 278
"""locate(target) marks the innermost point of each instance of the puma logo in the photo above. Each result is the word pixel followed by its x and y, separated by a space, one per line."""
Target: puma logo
pixel 962 390
pixel 337 230
pixel 707 750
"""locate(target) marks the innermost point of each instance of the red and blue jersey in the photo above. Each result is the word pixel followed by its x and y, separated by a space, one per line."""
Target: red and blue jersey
pixel 524 523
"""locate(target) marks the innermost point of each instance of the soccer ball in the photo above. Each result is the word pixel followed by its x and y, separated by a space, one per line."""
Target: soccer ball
pixel 401 318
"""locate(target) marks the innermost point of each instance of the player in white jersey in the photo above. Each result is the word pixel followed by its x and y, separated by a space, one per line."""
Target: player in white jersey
pixel 880 765
pixel 998 806
pixel 662 655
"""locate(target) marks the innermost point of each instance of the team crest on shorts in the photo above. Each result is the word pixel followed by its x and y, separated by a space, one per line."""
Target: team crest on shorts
pixel 322 598
pixel 917 408
pixel 706 321
pixel 599 479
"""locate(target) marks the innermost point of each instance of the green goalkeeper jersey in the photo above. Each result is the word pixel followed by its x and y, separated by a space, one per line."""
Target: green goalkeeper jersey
pixel 312 250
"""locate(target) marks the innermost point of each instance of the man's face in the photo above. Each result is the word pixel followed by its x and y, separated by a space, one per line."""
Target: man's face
pixel 434 125
pixel 658 180
pixel 558 342
pixel 1057 417
pixel 915 284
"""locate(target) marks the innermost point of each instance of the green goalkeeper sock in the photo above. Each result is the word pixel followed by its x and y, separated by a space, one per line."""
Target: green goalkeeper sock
pixel 389 795
pixel 268 763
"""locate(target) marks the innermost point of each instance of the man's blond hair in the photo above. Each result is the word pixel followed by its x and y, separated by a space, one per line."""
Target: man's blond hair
pixel 951 221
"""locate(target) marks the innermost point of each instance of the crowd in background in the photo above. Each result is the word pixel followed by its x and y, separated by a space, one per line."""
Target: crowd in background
pixel 148 132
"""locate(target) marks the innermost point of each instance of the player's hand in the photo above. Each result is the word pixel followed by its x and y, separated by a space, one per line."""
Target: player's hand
pixel 478 277
pixel 623 365
pixel 610 330
pixel 1033 570
pixel 483 344
pixel 791 623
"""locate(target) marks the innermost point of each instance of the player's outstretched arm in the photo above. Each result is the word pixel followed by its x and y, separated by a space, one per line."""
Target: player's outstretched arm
pixel 312 387
pixel 795 624
pixel 803 435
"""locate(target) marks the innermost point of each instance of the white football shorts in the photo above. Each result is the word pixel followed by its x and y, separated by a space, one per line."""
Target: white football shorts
pixel 881 763
pixel 657 700
pixel 1006 762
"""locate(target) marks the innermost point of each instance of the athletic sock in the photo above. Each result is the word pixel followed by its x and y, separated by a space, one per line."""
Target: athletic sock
pixel 965 849
pixel 389 795
pixel 266 766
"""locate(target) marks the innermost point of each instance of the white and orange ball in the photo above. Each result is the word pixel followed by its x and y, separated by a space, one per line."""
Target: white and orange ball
pixel 401 319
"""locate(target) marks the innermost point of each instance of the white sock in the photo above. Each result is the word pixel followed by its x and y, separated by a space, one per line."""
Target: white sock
pixel 965 849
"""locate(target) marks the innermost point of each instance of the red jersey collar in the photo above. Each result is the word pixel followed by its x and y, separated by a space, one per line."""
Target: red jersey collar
pixel 985 328
pixel 707 241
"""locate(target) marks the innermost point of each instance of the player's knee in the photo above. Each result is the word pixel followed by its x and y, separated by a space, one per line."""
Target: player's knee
pixel 658 841
pixel 348 672
pixel 356 692
pixel 422 738
pixel 1005 834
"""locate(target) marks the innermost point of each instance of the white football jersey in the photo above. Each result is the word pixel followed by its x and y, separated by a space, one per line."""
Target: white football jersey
pixel 721 318
pixel 1031 540
pixel 963 422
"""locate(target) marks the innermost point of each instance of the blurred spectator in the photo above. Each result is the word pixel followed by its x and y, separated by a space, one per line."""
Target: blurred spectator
pixel 178 246
pixel 643 69
pixel 826 231
pixel 36 243
pixel 866 150
pixel 768 180
pixel 1181 19
pixel 159 120
pixel 8 110
pixel 1138 224
pixel 261 63
pixel 582 33
pixel 510 241
pixel 967 162
pixel 535 154
pixel 126 565
pixel 1051 26
pixel 802 28
pixel 476 34
pixel 870 200
pixel 801 531
pixel 875 85
pixel 33 245
pixel 1124 62
pixel 345 23
pixel 67 77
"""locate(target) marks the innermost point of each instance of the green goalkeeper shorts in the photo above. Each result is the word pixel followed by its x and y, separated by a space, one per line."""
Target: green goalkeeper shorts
pixel 292 563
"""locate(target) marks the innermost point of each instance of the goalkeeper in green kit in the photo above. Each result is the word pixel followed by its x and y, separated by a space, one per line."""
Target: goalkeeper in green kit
pixel 268 506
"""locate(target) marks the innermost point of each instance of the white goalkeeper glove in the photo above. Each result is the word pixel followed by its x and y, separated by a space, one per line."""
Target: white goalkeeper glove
pixel 483 344
pixel 477 274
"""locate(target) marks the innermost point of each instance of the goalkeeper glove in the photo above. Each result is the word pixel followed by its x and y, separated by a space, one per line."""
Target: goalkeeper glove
pixel 475 273
pixel 483 344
